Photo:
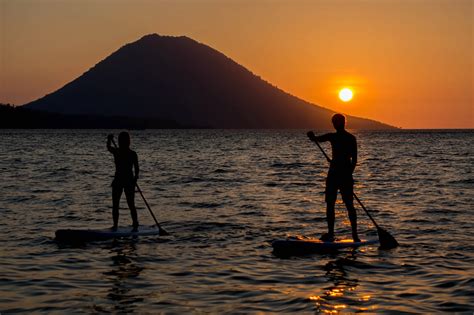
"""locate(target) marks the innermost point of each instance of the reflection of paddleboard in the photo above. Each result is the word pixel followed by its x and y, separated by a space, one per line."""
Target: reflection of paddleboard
pixel 297 245
pixel 80 236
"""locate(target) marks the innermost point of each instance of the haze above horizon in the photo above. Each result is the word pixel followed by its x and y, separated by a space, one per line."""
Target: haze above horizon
pixel 410 63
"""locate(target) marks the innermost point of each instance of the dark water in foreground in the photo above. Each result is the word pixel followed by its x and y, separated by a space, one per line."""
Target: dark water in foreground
pixel 224 195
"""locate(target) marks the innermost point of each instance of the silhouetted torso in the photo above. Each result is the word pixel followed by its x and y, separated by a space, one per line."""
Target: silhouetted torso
pixel 124 161
pixel 344 149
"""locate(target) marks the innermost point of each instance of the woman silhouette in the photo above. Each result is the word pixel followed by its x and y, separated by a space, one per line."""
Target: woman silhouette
pixel 125 179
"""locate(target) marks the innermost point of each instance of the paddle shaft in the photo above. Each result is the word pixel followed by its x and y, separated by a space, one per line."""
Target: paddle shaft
pixel 147 205
pixel 355 196
pixel 143 197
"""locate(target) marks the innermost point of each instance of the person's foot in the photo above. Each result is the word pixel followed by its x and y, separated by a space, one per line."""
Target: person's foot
pixel 326 237
pixel 135 228
pixel 356 239
pixel 114 228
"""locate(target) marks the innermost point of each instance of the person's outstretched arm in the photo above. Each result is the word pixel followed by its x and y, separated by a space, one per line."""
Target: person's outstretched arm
pixel 111 149
pixel 322 138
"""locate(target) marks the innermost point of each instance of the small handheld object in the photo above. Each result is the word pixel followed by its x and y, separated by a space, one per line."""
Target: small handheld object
pixel 311 136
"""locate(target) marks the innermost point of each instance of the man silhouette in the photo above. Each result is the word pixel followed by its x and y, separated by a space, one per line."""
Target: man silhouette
pixel 343 163
pixel 124 180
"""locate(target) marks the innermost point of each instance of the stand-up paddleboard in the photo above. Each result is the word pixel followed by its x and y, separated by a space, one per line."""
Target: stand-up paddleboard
pixel 81 236
pixel 298 245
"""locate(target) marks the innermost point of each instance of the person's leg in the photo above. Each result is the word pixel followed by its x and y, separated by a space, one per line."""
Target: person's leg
pixel 130 194
pixel 331 195
pixel 353 218
pixel 347 192
pixel 116 194
pixel 330 216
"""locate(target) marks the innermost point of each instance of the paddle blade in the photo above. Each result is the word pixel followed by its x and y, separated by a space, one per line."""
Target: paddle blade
pixel 163 232
pixel 387 241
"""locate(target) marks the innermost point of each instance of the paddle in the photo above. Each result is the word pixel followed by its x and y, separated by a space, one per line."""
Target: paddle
pixel 161 230
pixel 387 241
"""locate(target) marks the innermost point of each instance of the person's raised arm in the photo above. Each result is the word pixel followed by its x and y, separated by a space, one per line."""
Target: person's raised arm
pixel 322 138
pixel 110 138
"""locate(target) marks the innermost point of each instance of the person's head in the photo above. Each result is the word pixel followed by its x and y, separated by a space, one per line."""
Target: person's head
pixel 124 140
pixel 338 121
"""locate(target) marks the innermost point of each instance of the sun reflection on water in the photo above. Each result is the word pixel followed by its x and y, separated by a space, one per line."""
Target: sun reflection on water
pixel 337 297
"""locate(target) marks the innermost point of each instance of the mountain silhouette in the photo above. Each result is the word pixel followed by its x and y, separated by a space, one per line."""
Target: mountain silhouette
pixel 181 80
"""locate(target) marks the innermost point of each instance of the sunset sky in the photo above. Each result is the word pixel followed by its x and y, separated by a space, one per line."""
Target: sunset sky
pixel 409 63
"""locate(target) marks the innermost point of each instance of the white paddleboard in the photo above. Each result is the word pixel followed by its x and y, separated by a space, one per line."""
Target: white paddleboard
pixel 298 245
pixel 80 235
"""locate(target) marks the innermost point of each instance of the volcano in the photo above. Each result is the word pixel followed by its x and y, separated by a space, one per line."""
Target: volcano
pixel 182 80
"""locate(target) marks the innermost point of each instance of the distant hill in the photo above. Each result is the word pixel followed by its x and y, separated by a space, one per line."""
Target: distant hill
pixel 12 117
pixel 178 79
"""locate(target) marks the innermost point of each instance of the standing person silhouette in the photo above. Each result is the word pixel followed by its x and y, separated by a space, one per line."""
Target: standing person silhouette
pixel 124 180
pixel 343 163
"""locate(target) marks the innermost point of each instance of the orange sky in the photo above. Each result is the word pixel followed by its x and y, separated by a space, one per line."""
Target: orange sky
pixel 410 62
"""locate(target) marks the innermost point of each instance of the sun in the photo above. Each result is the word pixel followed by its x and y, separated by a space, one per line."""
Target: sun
pixel 345 94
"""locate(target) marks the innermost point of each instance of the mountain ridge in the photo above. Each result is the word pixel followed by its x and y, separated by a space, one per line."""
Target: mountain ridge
pixel 180 79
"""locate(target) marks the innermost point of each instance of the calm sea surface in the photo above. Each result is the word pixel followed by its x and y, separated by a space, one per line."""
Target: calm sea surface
pixel 224 195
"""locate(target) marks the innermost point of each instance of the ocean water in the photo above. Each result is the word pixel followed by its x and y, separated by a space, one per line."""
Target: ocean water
pixel 224 195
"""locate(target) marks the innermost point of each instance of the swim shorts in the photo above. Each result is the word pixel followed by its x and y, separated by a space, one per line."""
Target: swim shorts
pixel 339 181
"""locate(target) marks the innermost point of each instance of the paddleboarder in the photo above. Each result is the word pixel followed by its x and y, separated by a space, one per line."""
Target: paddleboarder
pixel 343 163
pixel 125 179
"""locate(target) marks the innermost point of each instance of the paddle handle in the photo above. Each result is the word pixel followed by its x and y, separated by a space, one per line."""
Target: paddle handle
pixel 325 155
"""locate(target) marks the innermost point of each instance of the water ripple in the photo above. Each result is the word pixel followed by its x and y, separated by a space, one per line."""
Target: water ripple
pixel 225 195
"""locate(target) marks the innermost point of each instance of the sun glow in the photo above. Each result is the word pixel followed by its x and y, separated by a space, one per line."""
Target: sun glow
pixel 345 94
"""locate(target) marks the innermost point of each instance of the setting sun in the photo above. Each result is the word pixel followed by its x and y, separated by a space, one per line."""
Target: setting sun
pixel 345 94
